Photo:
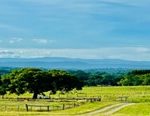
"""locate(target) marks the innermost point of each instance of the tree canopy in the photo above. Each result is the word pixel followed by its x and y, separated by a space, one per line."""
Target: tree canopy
pixel 36 81
pixel 136 77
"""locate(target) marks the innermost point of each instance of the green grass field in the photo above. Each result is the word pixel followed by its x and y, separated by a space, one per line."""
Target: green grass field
pixel 139 109
pixel 135 93
pixel 139 95
pixel 77 110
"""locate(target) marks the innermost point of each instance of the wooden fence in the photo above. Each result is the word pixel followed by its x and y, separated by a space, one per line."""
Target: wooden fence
pixel 51 107
pixel 40 107
pixel 10 108
pixel 69 103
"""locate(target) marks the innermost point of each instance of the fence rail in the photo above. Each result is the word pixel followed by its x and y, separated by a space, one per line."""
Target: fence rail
pixel 26 104
pixel 10 108
pixel 40 107
pixel 50 107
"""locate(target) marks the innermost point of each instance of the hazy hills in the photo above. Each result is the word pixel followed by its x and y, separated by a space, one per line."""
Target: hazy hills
pixel 69 63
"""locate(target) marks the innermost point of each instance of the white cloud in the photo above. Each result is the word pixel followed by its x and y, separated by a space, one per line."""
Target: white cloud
pixel 126 53
pixel 15 40
pixel 6 53
pixel 42 41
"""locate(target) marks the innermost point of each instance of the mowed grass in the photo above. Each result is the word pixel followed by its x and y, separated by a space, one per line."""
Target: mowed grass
pixel 136 94
pixel 13 105
pixel 139 109
pixel 74 111
pixel 87 108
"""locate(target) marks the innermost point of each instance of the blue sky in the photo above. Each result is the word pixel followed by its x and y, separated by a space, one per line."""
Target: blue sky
pixel 75 28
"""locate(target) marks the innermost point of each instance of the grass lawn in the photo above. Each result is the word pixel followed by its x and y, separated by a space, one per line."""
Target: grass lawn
pixel 78 110
pixel 87 107
pixel 139 109
pixel 137 94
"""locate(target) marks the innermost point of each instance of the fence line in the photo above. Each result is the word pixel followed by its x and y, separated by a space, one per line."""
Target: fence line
pixel 70 103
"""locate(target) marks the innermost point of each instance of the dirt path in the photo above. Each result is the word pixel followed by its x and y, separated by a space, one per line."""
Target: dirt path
pixel 107 111
pixel 117 109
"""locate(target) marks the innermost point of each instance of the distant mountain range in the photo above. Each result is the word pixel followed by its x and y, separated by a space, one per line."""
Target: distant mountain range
pixel 72 63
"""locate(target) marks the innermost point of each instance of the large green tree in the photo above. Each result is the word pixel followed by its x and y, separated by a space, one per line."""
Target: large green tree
pixel 37 81
pixel 28 79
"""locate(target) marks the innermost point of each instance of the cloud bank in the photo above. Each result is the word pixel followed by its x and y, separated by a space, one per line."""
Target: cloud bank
pixel 126 53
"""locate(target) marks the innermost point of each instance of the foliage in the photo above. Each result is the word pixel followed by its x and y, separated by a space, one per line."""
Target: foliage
pixel 81 75
pixel 3 70
pixel 64 81
pixel 36 81
pixel 139 72
pixel 2 89
pixel 136 77
pixel 96 78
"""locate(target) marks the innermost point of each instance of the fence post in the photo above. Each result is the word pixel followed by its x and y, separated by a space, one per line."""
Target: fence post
pixel 63 106
pixel 47 108
pixel 27 108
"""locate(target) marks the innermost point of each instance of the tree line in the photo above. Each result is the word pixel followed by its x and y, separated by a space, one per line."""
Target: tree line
pixel 37 81
pixel 130 78
pixel 94 78
pixel 136 77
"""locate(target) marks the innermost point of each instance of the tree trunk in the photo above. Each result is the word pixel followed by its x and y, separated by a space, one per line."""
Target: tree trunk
pixel 2 96
pixel 35 95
